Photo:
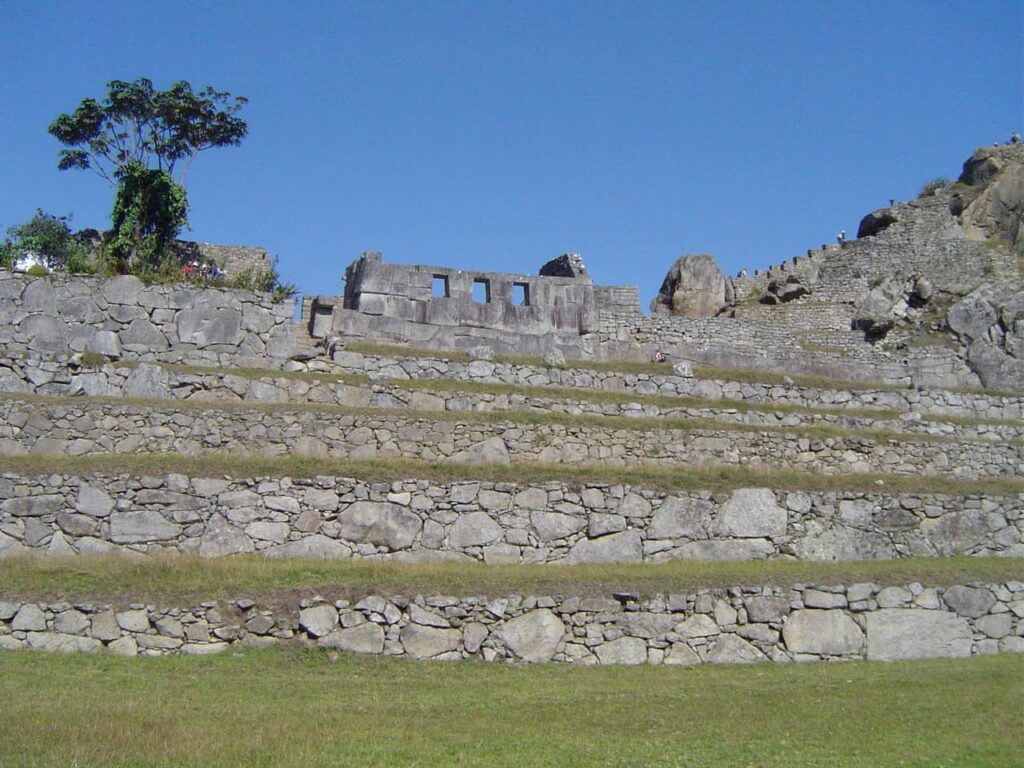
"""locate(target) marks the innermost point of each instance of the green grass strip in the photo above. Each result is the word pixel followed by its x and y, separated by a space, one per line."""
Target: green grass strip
pixel 177 578
pixel 653 477
pixel 296 708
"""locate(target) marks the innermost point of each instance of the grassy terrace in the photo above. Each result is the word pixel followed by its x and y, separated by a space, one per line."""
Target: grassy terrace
pixel 578 394
pixel 293 707
pixel 571 421
pixel 182 579
pixel 674 478
pixel 717 373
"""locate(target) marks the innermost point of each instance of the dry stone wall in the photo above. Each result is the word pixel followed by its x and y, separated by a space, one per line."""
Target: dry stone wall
pixel 341 518
pixel 671 384
pixel 121 317
pixel 736 626
pixel 81 426
pixel 149 380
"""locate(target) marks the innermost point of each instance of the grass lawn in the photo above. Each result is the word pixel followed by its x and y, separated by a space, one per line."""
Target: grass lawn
pixel 185 578
pixel 293 707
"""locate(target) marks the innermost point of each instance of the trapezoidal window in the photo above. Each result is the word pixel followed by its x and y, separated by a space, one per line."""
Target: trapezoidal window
pixel 521 294
pixel 481 291
pixel 439 287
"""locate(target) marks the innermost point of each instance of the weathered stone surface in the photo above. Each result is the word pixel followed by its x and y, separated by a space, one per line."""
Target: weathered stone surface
pixel 315 547
pixel 55 642
pixel 135 620
pixel 319 620
pixel 379 523
pixel 534 636
pixel 625 547
pixel 426 642
pixel 29 619
pixel 822 632
pixel 141 526
pixel 93 501
pixel 971 602
pixel 148 381
pixel 680 517
pixel 474 530
pixel 730 649
pixel 490 451
pixel 221 539
pixel 624 650
pixel 554 525
pixel 915 633
pixel 364 638
pixel 694 287
pixel 752 513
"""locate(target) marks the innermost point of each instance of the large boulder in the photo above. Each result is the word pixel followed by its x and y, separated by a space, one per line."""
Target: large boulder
pixel 876 221
pixel 566 265
pixel 694 287
pixel 993 204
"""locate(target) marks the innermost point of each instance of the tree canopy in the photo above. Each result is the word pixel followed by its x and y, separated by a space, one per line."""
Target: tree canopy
pixel 137 124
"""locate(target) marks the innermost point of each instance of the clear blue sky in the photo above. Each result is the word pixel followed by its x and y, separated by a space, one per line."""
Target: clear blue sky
pixel 496 135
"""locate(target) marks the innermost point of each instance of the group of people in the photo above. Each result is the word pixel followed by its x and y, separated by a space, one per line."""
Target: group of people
pixel 193 270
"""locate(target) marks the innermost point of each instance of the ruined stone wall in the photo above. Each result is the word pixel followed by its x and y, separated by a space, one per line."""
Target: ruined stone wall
pixel 804 622
pixel 341 518
pixel 123 318
pixel 29 424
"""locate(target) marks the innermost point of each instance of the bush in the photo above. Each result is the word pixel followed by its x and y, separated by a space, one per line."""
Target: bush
pixel 265 280
pixel 48 237
pixel 933 186
pixel 37 270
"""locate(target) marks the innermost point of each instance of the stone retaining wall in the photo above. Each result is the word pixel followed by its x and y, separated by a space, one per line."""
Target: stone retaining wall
pixel 149 380
pixel 736 626
pixel 668 384
pixel 122 317
pixel 77 426
pixel 493 522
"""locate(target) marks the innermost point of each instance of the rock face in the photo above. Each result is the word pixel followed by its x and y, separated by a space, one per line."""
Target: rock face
pixel 876 221
pixel 993 205
pixel 566 265
pixel 693 287
pixel 912 633
pixel 989 322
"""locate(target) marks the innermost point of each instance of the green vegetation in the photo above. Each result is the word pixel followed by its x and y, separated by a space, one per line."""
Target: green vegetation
pixel 134 139
pixel 294 707
pixel 48 237
pixel 654 477
pixel 934 185
pixel 262 280
pixel 184 578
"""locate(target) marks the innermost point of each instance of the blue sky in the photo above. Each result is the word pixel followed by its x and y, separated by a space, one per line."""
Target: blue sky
pixel 496 135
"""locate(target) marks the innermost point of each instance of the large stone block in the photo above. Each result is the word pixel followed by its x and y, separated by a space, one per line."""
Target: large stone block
pixel 625 547
pixel 141 527
pixel 623 650
pixel 752 513
pixel 379 523
pixel 364 638
pixel 474 529
pixel 426 642
pixel 822 632
pixel 204 327
pixel 916 633
pixel 680 517
pixel 555 525
pixel 534 636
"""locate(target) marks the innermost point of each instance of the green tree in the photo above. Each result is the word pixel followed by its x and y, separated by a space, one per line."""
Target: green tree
pixel 47 236
pixel 143 141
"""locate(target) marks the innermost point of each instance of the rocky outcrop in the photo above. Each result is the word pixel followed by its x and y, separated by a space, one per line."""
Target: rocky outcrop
pixel 876 221
pixel 783 291
pixel 989 322
pixel 693 287
pixel 894 301
pixel 566 265
pixel 990 195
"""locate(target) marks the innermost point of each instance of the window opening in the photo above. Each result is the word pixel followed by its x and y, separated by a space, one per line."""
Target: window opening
pixel 482 291
pixel 521 294
pixel 440 287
